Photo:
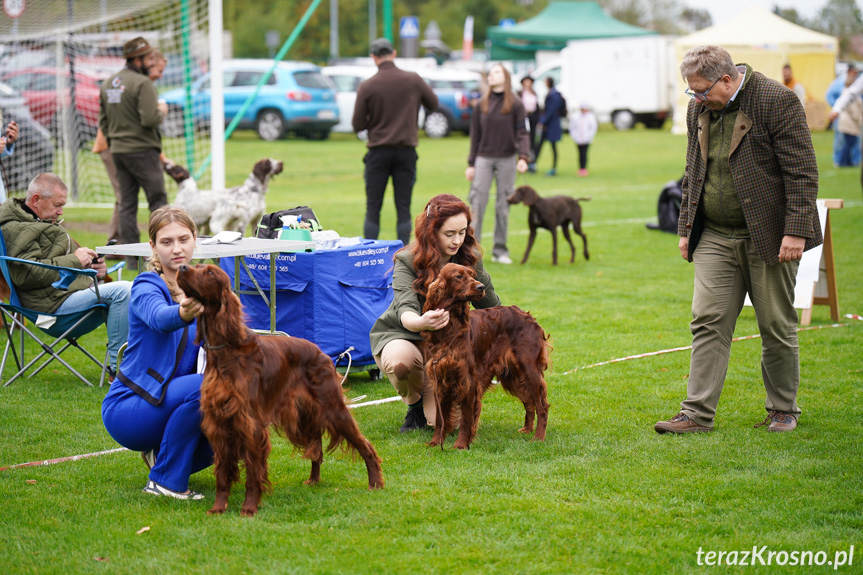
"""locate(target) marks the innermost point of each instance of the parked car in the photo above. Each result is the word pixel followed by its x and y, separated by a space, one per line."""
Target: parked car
pixel 38 86
pixel 347 79
pixel 296 98
pixel 455 89
pixel 34 151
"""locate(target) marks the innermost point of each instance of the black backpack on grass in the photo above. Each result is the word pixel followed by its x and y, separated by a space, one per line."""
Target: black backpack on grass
pixel 668 207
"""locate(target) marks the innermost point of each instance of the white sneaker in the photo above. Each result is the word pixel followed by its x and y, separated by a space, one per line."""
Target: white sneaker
pixel 154 488
pixel 501 260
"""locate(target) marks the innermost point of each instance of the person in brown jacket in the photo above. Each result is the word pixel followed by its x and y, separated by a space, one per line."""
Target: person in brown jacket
pixel 499 147
pixel 747 215
pixel 387 106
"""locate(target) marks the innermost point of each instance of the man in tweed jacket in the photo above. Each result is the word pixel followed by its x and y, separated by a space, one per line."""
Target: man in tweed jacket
pixel 748 214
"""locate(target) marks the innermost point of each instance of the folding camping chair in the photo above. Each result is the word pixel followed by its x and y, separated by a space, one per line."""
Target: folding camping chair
pixel 63 327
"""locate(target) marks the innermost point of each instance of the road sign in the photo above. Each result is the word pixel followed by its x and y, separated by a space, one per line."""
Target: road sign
pixel 13 8
pixel 409 27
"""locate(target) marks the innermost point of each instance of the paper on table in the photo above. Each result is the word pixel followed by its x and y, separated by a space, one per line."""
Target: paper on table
pixel 226 237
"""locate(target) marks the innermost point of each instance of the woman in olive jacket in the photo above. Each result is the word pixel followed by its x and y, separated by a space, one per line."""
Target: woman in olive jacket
pixel 443 235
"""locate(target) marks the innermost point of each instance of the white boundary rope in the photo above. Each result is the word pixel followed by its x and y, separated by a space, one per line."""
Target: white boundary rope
pixel 398 398
pixel 64 459
pixel 375 402
pixel 674 349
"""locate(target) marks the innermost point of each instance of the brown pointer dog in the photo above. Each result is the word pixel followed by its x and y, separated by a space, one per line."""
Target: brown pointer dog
pixel 549 213
pixel 475 346
pixel 252 381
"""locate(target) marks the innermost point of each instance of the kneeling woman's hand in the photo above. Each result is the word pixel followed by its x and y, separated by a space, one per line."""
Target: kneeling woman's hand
pixel 431 320
pixel 190 308
pixel 435 319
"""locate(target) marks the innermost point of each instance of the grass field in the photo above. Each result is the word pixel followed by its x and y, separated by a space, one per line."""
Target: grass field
pixel 603 494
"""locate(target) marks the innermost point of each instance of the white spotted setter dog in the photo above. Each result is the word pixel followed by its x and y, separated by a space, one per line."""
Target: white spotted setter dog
pixel 234 209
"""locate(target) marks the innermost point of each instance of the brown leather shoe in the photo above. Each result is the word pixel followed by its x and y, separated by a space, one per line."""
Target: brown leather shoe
pixel 779 421
pixel 680 423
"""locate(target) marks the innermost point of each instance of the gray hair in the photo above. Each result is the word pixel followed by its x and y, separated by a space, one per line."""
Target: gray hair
pixel 45 184
pixel 709 62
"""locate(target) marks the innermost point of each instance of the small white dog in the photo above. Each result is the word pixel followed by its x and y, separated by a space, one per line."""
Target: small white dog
pixel 234 209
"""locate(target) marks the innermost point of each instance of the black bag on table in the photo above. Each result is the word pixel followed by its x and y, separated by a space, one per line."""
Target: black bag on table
pixel 271 224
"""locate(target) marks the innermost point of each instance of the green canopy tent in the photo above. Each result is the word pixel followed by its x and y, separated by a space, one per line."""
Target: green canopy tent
pixel 553 27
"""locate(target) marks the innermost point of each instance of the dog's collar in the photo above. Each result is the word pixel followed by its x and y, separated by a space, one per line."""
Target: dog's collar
pixel 209 347
pixel 249 335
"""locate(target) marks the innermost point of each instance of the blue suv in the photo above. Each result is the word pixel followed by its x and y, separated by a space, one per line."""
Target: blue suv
pixel 455 90
pixel 296 98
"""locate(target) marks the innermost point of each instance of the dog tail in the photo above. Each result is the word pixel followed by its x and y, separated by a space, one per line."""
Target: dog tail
pixel 587 199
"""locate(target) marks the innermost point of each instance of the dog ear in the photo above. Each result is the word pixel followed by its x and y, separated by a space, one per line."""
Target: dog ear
pixel 433 295
pixel 529 196
pixel 261 169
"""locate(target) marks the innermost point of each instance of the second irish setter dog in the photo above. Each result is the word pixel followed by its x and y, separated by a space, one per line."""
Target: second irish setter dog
pixel 253 381
pixel 476 346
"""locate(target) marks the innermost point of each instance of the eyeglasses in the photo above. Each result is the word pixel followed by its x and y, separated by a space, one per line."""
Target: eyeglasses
pixel 700 95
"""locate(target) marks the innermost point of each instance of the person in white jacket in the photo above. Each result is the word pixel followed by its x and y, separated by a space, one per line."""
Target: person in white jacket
pixel 855 90
pixel 849 94
pixel 582 129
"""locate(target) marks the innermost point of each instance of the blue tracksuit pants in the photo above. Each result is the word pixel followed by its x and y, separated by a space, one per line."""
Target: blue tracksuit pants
pixel 172 429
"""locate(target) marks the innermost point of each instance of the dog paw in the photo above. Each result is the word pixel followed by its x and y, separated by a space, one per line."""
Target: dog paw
pixel 526 430
pixel 461 446
pixel 217 510
pixel 248 511
pixel 312 481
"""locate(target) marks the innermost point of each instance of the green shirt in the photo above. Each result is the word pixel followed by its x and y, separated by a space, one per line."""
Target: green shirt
pixel 720 201
pixel 128 113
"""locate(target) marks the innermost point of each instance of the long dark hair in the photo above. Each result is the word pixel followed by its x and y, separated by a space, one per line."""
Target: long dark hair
pixel 426 248
pixel 508 96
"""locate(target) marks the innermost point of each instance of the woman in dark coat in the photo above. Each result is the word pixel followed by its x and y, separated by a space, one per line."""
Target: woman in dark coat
pixel 549 123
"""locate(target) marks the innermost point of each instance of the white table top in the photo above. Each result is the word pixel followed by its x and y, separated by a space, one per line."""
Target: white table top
pixel 242 247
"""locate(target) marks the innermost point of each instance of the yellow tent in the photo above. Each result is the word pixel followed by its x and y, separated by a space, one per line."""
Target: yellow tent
pixel 767 42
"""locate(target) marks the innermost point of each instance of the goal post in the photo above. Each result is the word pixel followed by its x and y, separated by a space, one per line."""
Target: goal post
pixel 53 57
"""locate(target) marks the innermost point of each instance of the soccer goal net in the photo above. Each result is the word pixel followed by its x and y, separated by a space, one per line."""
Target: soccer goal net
pixel 54 55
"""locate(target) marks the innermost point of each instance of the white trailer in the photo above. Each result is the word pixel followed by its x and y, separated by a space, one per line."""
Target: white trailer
pixel 624 80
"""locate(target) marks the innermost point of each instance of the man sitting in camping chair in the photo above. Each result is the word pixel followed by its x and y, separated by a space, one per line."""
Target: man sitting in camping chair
pixel 31 230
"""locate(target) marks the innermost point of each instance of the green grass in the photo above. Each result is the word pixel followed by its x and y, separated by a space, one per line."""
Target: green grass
pixel 603 494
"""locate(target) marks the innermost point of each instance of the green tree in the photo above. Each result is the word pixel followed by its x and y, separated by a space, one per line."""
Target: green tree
pixel 693 19
pixel 840 18
pixel 791 15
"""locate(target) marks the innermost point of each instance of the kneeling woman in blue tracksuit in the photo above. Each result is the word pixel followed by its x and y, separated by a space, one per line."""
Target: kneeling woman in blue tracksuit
pixel 154 404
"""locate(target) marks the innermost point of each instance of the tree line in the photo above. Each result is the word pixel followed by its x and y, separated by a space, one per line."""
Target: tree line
pixel 250 20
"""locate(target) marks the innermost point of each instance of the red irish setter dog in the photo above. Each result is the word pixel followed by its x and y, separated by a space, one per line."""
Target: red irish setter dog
pixel 475 346
pixel 252 381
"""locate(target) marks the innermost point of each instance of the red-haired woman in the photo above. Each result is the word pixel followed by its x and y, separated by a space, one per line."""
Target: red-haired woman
pixel 498 147
pixel 443 234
